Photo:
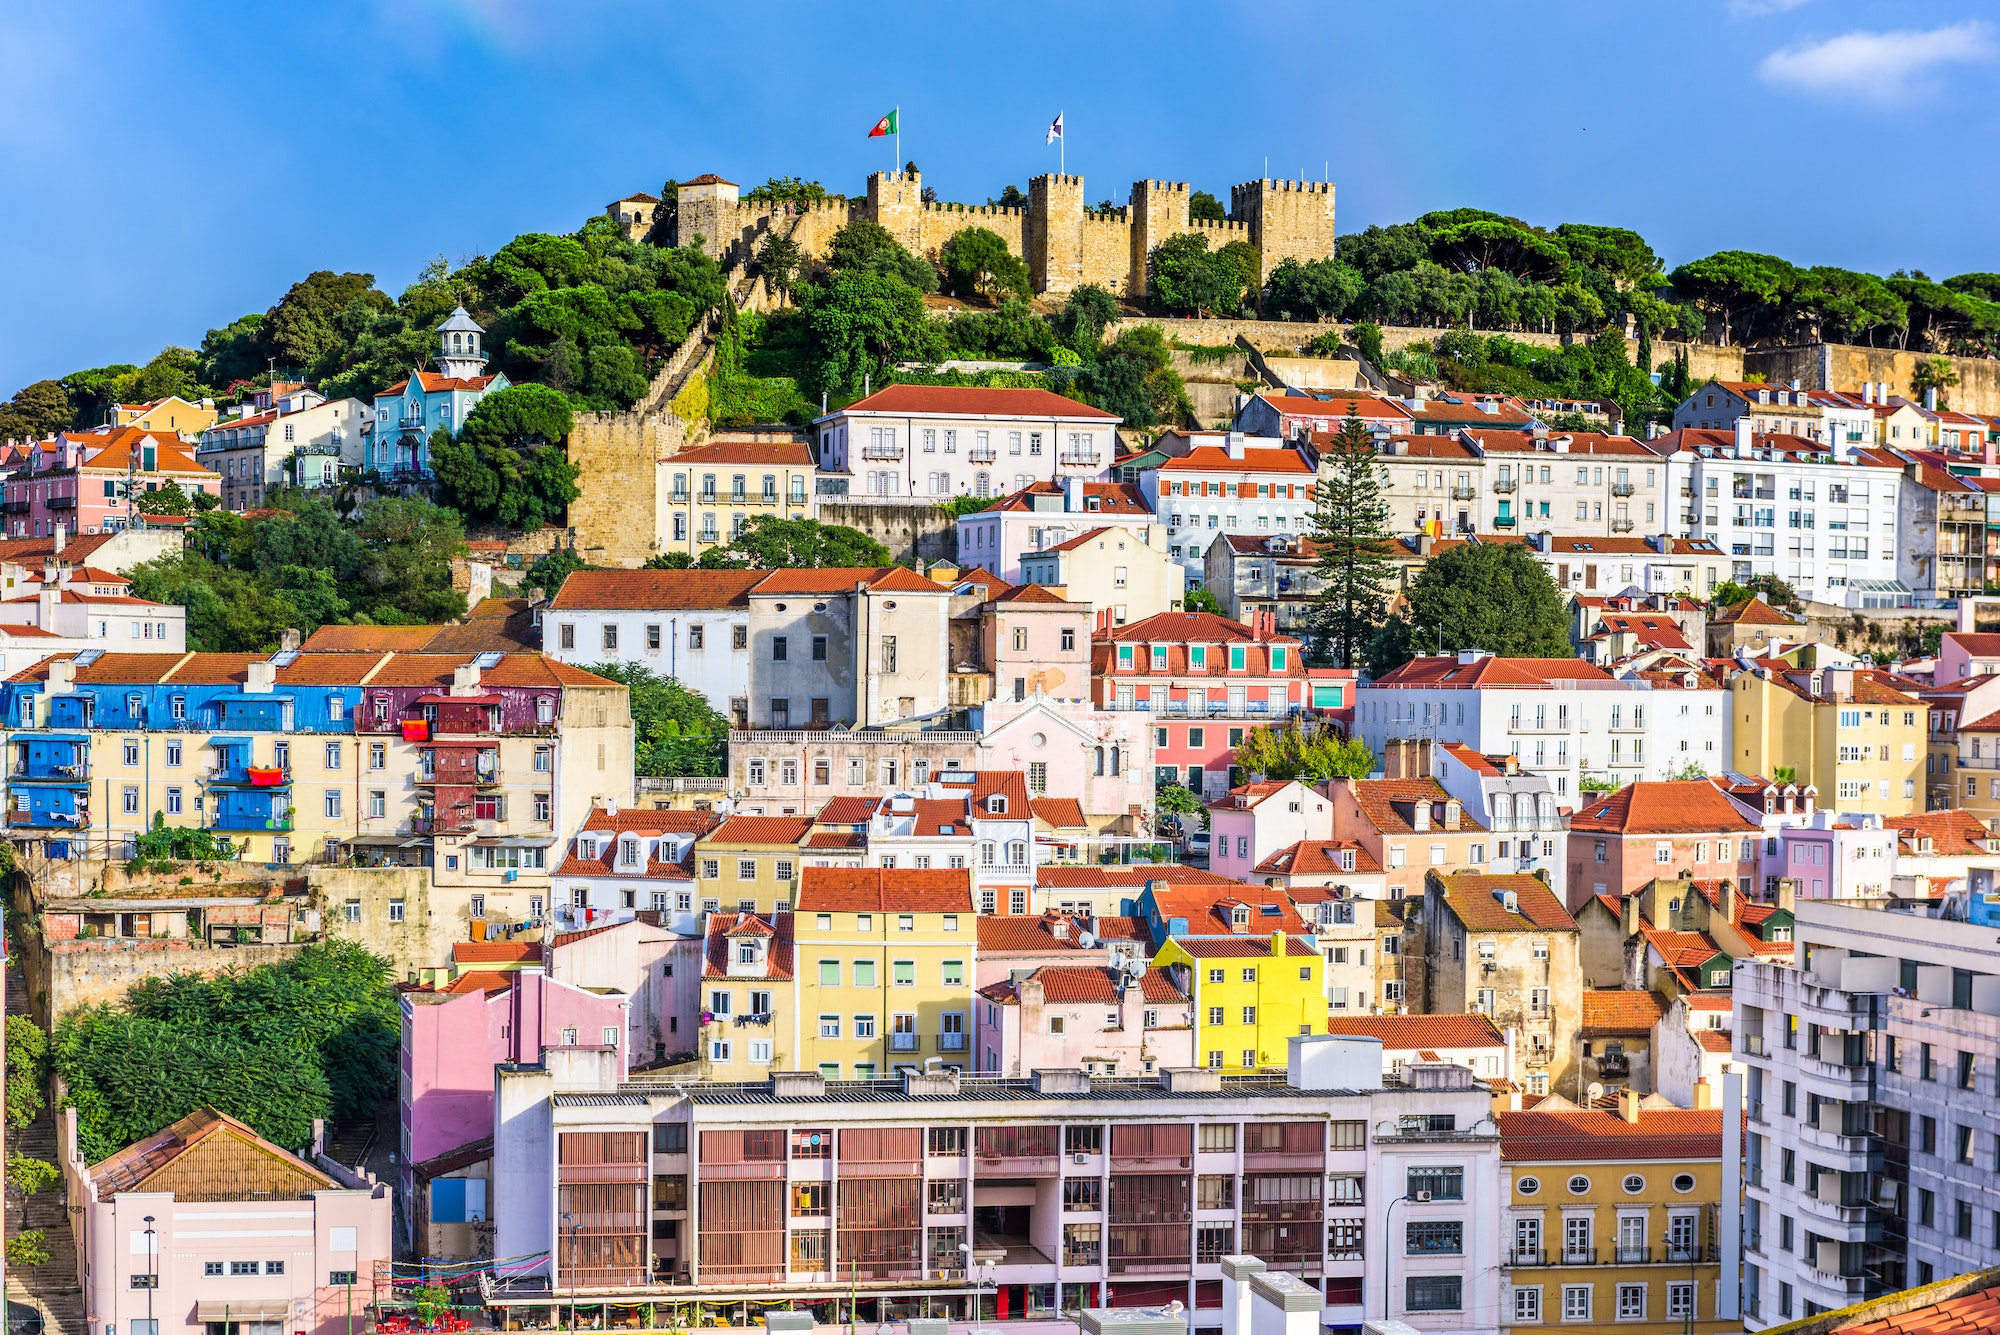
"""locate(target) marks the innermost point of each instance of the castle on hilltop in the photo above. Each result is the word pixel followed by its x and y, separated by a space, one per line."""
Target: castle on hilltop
pixel 1065 245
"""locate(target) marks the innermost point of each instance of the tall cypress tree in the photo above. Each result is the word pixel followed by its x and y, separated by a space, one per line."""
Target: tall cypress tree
pixel 1351 530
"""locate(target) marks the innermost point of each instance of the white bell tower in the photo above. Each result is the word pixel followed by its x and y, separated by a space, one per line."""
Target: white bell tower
pixel 459 355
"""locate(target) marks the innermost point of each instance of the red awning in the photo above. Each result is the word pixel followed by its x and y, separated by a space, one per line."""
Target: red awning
pixel 489 698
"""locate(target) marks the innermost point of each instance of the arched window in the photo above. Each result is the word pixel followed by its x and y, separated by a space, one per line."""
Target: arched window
pixel 1099 769
pixel 1017 854
pixel 1114 760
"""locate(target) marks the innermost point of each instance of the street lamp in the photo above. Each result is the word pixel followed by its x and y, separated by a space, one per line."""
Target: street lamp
pixel 972 1270
pixel 569 1222
pixel 1388 1253
pixel 152 1275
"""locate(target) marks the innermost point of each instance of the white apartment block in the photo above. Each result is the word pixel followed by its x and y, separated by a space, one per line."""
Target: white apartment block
pixel 691 625
pixel 1826 523
pixel 931 443
pixel 1873 1159
pixel 1256 486
pixel 1560 718
pixel 1583 483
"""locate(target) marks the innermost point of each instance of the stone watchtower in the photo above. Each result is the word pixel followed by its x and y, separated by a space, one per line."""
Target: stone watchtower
pixel 1287 219
pixel 896 203
pixel 1054 234
pixel 1159 211
pixel 708 209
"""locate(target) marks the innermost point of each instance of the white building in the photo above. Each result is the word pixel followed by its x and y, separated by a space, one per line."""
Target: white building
pixel 1559 717
pixel 691 625
pixel 1825 523
pixel 930 443
pixel 303 439
pixel 1872 1104
pixel 981 821
pixel 1043 516
pixel 87 608
pixel 1258 486
pixel 1583 483
pixel 1828 416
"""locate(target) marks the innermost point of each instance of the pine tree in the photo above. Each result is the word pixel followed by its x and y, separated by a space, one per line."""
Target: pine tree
pixel 1351 531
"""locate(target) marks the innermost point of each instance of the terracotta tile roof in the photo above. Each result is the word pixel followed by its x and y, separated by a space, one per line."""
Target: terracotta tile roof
pixel 1471 759
pixel 1008 784
pixel 1409 1032
pixel 234 1164
pixel 649 820
pixel 1336 406
pixel 1113 498
pixel 771 453
pixel 1447 671
pixel 1752 612
pixel 1621 1011
pixel 1952 833
pixel 946 818
pixel 1430 445
pixel 1602 1135
pixel 369 639
pixel 1664 806
pixel 976 401
pixel 1208 911
pixel 1035 593
pixel 495 952
pixel 1158 985
pixel 656 590
pixel 1021 934
pixel 1713 1040
pixel 1064 813
pixel 1230 948
pixel 831 839
pixel 1382 803
pixel 706 178
pixel 1052 876
pixel 1595 444
pixel 778 958
pixel 1318 857
pixel 1967 1314
pixel 481 980
pixel 747 830
pixel 1710 1001
pixel 1211 459
pixel 1188 628
pixel 1680 950
pixel 989 585
pixel 848 811
pixel 1249 796
pixel 833 579
pixel 884 890
pixel 1474 899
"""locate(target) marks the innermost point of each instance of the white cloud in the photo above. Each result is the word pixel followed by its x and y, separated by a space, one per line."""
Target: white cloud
pixel 1757 9
pixel 1877 66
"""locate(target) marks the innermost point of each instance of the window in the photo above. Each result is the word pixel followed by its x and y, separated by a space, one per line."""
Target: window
pixel 1216 1137
pixel 1441 1184
pixel 1528 1303
pixel 1680 1300
pixel 1576 1302
pixel 333 804
pixel 1434 1237
pixel 1631 1302
pixel 1434 1293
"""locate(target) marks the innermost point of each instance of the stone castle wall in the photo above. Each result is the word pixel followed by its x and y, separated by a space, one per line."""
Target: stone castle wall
pixel 1846 367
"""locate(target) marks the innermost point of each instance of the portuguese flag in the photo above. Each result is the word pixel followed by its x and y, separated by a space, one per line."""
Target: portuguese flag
pixel 885 126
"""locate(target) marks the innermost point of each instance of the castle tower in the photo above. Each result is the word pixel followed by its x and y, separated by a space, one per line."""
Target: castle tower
pixel 458 354
pixel 707 209
pixel 1054 234
pixel 896 202
pixel 1159 210
pixel 1289 220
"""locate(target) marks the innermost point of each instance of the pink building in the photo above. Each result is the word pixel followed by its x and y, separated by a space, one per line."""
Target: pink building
pixel 657 969
pixel 1205 680
pixel 206 1221
pixel 1097 1019
pixel 1621 841
pixel 453 1040
pixel 1255 820
pixel 78 480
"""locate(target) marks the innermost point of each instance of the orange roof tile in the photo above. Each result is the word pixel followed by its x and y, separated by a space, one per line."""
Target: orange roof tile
pixel 495 952
pixel 1409 1032
pixel 1018 934
pixel 646 590
pixel 1064 813
pixel 793 454
pixel 1620 1011
pixel 1665 806
pixel 976 401
pixel 1381 802
pixel 1603 1135
pixel 1245 947
pixel 1474 899
pixel 745 830
pixel 884 890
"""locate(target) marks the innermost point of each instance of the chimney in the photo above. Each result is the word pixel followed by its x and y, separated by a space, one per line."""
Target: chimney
pixel 1235 446
pixel 1277 945
pixel 1930 398
pixel 62 676
pixel 1788 890
pixel 1704 1095
pixel 1628 916
pixel 465 679
pixel 1628 1105
pixel 1743 426
pixel 1868 391
pixel 1795 382
pixel 1392 758
pixel 62 536
pixel 1728 900
pixel 46 607
pixel 1073 495
pixel 52 571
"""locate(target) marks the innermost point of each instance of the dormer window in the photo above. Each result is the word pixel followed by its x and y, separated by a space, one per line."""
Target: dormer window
pixel 628 853
pixel 746 950
pixel 1239 917
pixel 996 805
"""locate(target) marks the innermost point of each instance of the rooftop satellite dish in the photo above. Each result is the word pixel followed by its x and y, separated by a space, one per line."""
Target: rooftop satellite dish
pixel 1594 1091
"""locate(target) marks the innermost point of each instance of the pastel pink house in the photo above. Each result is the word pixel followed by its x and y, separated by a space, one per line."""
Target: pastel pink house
pixel 79 481
pixel 1104 1020
pixel 1254 821
pixel 453 1040
pixel 206 1221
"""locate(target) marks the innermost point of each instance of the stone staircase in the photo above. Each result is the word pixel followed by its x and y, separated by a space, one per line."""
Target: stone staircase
pixel 52 1288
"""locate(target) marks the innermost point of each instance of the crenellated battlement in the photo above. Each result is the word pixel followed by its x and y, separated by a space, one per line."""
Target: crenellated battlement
pixel 1066 244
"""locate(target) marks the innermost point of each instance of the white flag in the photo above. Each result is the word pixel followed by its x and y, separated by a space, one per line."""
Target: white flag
pixel 1055 129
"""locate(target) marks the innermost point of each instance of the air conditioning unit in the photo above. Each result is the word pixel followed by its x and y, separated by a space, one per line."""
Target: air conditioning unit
pixel 1421 1197
pixel 1080 1157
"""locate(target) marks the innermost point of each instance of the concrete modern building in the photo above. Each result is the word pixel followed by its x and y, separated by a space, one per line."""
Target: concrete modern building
pixel 1029 1196
pixel 1871 1067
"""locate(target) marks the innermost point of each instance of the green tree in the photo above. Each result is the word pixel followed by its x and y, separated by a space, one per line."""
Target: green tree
pixel 167 499
pixel 1011 198
pixel 228 610
pixel 299 331
pixel 977 263
pixel 1499 244
pixel 857 324
pixel 1776 592
pixel 668 561
pixel 1184 275
pixel 1350 533
pixel 1367 336
pixel 771 543
pixel 780 259
pixel 1495 597
pixel 1134 377
pixel 1934 373
pixel 29 1176
pixel 867 247
pixel 548 571
pixel 787 190
pixel 1736 287
pixel 508 463
pixel 1309 754
pixel 1205 207
pixel 1201 600
pixel 27 1070
pixel 36 412
pixel 676 732
pixel 29 1247
pixel 1086 311
pixel 1312 290
pixel 1175 803
pixel 410 546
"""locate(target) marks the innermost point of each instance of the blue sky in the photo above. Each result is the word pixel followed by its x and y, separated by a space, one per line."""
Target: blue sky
pixel 165 167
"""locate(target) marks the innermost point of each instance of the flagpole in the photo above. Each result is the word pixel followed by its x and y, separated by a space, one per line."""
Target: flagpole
pixel 899 138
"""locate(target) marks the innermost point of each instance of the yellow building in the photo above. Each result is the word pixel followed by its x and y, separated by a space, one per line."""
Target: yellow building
pixel 1250 995
pixel 884 970
pixel 172 413
pixel 750 864
pixel 1850 732
pixel 1613 1219
pixel 1125 571
pixel 748 1023
pixel 714 490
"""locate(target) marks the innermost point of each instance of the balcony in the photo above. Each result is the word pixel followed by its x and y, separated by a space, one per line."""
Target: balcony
pixel 982 454
pixel 78 772
pixel 16 505
pixel 1464 491
pixel 1579 1255
pixel 1519 1256
pixel 881 451
pixel 1621 526
pixel 1503 521
pixel 1621 489
pixel 951 1042
pixel 1505 486
pixel 902 1042
pixel 48 820
pixel 1078 458
pixel 1614 1066
pixel 1631 1255
pixel 61 502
